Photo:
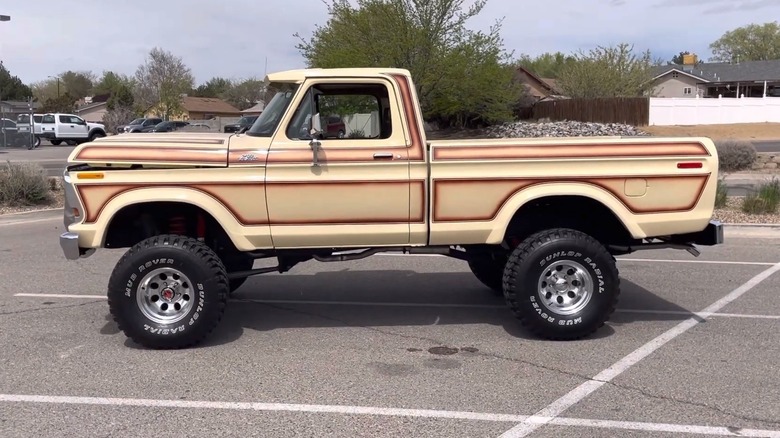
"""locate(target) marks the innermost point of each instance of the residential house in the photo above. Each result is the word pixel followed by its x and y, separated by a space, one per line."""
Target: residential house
pixel 539 88
pixel 199 108
pixel 92 109
pixel 717 79
pixel 255 110
pixel 11 108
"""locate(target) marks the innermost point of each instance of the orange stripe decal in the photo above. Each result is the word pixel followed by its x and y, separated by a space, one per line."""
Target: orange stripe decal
pixel 509 152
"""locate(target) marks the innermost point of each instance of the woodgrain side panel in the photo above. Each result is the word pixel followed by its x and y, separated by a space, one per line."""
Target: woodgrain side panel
pixel 323 203
pixel 482 199
pixel 517 152
pixel 149 154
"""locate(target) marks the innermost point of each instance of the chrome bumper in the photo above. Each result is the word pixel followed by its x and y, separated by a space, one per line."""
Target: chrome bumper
pixel 69 241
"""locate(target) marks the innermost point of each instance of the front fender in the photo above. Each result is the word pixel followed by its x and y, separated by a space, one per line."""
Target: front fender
pixel 102 220
pixel 522 197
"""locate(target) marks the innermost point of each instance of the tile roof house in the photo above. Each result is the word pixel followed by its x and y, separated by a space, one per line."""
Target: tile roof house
pixel 715 79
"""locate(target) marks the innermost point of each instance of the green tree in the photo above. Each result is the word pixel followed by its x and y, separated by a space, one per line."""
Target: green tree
pixel 65 103
pixel 430 39
pixel 215 87
pixel 11 87
pixel 608 72
pixel 110 82
pixel 546 65
pixel 754 42
pixel 77 83
pixel 161 81
pixel 245 93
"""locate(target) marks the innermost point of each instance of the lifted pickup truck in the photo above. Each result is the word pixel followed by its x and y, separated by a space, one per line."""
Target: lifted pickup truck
pixel 538 221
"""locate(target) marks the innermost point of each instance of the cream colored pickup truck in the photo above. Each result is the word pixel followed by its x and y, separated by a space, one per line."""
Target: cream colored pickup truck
pixel 338 168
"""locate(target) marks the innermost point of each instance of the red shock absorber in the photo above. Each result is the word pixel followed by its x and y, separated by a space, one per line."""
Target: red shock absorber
pixel 201 227
pixel 177 225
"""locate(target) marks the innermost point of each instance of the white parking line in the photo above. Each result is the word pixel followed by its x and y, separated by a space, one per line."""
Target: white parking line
pixel 574 396
pixel 619 259
pixel 421 305
pixel 29 221
pixel 393 412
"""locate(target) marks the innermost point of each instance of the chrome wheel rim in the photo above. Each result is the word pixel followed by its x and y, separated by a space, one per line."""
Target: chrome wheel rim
pixel 165 295
pixel 565 287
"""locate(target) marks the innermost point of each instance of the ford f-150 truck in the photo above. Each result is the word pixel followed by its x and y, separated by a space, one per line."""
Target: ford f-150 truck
pixel 538 221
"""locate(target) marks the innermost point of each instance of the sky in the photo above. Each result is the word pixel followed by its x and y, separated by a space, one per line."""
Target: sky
pixel 233 38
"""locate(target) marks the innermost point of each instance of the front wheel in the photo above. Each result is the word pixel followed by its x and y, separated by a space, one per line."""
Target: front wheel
pixel 562 284
pixel 168 291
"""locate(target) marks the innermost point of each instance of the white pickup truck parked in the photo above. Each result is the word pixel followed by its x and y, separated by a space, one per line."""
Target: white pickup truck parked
pixel 59 127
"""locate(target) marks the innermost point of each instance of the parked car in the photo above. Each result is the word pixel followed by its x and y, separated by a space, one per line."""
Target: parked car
pixel 23 122
pixel 335 127
pixel 139 124
pixel 167 126
pixel 70 128
pixel 243 122
pixel 9 133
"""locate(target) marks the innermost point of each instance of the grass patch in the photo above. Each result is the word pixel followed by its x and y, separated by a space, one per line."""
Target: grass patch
pixel 721 194
pixel 24 184
pixel 764 200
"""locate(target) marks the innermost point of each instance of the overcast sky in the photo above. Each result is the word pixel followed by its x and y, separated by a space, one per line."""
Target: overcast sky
pixel 232 38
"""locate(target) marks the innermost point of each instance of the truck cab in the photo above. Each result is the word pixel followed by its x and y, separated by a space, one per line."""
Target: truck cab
pixel 69 128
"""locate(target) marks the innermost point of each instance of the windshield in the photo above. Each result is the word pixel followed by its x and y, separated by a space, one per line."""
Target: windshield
pixel 266 124
pixel 136 122
pixel 23 119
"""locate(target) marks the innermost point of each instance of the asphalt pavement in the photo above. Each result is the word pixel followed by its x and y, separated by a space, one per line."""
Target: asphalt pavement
pixel 393 346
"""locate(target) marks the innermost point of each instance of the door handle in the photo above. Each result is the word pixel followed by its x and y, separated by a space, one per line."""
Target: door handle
pixel 383 155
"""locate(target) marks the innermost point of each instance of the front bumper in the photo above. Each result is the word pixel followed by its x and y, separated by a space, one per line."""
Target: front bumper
pixel 711 235
pixel 69 241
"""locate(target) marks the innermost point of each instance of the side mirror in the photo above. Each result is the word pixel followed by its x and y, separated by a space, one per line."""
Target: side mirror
pixel 316 126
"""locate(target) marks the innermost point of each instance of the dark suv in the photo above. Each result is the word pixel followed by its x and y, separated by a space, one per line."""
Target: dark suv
pixel 138 125
pixel 243 122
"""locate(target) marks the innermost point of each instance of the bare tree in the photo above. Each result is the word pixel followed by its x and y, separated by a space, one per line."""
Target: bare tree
pixel 160 83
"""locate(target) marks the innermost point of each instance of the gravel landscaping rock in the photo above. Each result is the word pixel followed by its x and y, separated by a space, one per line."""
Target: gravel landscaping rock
pixel 563 129
pixel 732 214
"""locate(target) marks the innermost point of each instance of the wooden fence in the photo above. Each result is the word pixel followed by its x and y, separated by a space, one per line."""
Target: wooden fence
pixel 629 110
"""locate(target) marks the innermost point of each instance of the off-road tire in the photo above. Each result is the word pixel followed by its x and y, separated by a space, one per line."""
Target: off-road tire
pixel 490 272
pixel 209 290
pixel 533 258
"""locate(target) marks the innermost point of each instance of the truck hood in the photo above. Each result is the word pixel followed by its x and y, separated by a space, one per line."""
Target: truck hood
pixel 165 149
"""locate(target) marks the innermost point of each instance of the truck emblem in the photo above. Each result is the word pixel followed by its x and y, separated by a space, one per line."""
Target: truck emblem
pixel 247 157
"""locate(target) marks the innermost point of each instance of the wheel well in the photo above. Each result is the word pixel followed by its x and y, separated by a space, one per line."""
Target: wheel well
pixel 577 212
pixel 137 222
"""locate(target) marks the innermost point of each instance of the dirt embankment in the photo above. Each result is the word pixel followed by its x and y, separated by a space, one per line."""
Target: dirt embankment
pixel 741 131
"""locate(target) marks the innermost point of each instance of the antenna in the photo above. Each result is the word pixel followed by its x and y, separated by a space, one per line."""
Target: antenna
pixel 265 72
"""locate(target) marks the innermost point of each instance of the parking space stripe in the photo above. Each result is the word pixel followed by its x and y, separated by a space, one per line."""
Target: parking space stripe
pixel 393 412
pixel 619 259
pixel 28 221
pixel 576 395
pixel 421 305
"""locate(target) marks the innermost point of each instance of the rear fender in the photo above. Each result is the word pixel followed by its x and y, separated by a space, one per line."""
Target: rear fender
pixel 517 200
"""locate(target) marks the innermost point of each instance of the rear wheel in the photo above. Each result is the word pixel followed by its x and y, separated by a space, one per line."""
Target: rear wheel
pixel 168 291
pixel 562 284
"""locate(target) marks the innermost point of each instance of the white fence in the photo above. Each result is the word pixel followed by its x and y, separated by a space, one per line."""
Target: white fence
pixel 715 111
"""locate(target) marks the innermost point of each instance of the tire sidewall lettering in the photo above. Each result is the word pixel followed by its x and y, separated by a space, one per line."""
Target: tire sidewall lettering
pixel 543 261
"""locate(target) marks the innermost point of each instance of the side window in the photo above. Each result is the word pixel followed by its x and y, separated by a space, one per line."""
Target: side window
pixel 49 118
pixel 65 119
pixel 347 111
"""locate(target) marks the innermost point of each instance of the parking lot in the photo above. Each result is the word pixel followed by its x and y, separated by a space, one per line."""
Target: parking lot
pixel 394 346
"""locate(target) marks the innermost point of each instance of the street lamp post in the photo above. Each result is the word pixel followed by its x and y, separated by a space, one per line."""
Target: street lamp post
pixel 58 84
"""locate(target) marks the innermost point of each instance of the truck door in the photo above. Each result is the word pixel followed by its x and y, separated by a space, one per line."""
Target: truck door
pixel 349 186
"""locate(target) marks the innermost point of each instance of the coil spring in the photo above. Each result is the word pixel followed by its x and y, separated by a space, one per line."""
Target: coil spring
pixel 177 225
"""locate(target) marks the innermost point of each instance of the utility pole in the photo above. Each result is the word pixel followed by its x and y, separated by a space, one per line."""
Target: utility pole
pixel 58 84
pixel 4 18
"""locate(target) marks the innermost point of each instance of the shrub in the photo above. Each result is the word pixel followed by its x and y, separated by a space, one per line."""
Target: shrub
pixel 764 200
pixel 721 194
pixel 736 155
pixel 23 184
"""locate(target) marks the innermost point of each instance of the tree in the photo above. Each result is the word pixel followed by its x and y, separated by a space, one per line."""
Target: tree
pixel 110 82
pixel 753 42
pixel 245 93
pixel 215 87
pixel 65 103
pixel 160 83
pixel 11 87
pixel 429 38
pixel 608 72
pixel 546 65
pixel 679 58
pixel 77 84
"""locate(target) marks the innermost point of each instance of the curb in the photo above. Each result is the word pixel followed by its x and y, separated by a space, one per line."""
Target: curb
pixel 19 213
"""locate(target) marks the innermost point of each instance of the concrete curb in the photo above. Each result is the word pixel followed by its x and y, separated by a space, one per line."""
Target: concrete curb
pixel 30 212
